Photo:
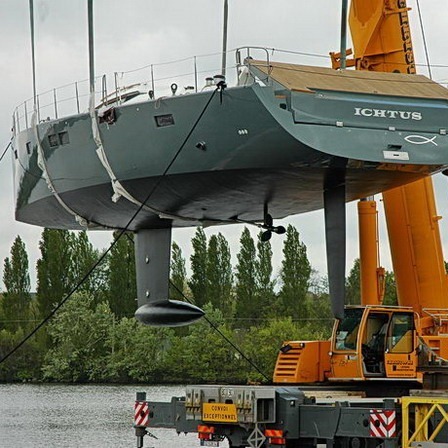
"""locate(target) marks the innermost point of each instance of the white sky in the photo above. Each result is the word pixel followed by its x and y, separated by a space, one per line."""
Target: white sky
pixel 135 33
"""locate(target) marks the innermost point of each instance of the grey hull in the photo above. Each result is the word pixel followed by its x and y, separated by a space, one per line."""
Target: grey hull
pixel 253 146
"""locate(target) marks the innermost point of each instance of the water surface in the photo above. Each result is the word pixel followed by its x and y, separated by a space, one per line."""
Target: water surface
pixel 80 416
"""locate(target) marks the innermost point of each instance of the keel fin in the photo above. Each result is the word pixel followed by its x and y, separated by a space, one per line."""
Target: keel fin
pixel 335 236
pixel 152 258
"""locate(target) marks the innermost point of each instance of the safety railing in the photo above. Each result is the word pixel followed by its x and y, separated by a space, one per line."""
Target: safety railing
pixel 155 80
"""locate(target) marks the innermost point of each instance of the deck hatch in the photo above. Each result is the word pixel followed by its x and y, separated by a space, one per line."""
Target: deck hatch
pixel 164 120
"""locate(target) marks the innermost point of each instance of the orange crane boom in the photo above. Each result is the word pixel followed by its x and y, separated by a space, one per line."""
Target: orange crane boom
pixel 382 42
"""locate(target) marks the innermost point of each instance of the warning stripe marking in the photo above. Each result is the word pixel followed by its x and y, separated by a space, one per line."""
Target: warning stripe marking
pixel 383 423
pixel 273 433
pixel 141 413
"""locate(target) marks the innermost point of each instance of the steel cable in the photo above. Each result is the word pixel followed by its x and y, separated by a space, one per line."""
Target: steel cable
pixel 428 65
pixel 5 151
pixel 232 344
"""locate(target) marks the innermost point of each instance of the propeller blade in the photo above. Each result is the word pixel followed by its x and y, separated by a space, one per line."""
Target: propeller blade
pixel 268 221
pixel 279 230
pixel 335 224
pixel 266 236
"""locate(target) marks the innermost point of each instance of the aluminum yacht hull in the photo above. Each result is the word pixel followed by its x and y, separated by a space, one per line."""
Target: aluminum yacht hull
pixel 253 145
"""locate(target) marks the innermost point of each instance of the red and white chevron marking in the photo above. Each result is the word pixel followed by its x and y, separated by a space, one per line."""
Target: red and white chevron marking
pixel 383 423
pixel 141 413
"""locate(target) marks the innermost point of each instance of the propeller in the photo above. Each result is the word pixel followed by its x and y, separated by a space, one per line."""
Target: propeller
pixel 335 226
pixel 268 224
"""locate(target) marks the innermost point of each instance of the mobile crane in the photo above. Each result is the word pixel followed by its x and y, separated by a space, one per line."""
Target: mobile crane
pixel 408 342
pixel 372 345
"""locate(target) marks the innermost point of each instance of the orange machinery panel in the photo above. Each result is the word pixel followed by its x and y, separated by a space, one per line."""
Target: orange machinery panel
pixel 381 35
pixel 302 362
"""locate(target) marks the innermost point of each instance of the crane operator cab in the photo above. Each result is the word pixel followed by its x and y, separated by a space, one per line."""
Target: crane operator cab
pixel 374 342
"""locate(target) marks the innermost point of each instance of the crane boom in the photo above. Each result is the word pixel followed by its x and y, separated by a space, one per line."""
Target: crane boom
pixel 382 42
pixel 381 36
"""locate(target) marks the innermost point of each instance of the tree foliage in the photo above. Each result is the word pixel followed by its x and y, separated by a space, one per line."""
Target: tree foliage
pixel 55 271
pixel 25 364
pixel 247 306
pixel 178 273
pixel 137 352
pixel 219 274
pixel 80 336
pixel 264 283
pixel 84 256
pixel 94 337
pixel 295 275
pixel 390 290
pixel 262 343
pixel 121 277
pixel 353 284
pixel 198 259
pixel 202 356
pixel 17 297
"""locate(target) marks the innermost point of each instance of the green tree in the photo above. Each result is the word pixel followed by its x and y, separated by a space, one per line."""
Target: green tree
pixel 80 333
pixel 198 259
pixel 219 274
pixel 2 313
pixel 24 364
pixel 203 355
pixel 17 297
pixel 178 273
pixel 390 290
pixel 262 344
pixel 247 307
pixel 295 276
pixel 54 269
pixel 319 306
pixel 264 282
pixel 137 352
pixel 122 292
pixel 353 284
pixel 84 256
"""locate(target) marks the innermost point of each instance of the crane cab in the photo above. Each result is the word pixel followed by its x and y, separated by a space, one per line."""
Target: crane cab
pixel 374 342
pixel 370 343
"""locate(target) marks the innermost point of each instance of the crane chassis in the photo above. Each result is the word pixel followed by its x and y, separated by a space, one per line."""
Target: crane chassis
pixel 292 417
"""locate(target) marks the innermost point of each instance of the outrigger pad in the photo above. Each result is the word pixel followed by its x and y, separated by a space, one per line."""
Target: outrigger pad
pixel 168 313
pixel 335 226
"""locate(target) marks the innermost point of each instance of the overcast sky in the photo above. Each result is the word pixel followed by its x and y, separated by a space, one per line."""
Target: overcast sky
pixel 135 33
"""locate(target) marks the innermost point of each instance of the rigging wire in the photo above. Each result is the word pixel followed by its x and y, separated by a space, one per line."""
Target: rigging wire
pixel 229 341
pixel 5 151
pixel 220 87
pixel 428 65
pixel 33 58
